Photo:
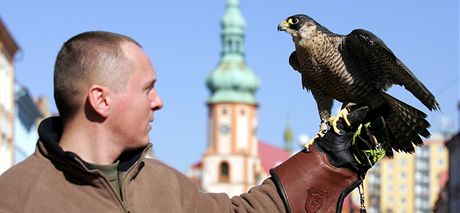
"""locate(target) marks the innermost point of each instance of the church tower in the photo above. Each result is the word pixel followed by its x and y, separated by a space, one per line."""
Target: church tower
pixel 231 163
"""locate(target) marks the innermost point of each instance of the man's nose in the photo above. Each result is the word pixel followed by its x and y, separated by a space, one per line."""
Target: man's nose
pixel 156 103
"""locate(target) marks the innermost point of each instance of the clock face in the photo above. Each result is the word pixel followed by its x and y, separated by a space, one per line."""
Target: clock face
pixel 224 129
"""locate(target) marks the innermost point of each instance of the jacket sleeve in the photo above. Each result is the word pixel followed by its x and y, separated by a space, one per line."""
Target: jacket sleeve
pixel 261 198
pixel 306 182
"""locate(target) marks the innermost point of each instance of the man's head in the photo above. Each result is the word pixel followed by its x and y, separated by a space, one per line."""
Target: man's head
pixel 85 59
pixel 107 78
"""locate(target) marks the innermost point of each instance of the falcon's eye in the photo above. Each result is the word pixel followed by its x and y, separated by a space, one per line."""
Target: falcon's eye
pixel 293 21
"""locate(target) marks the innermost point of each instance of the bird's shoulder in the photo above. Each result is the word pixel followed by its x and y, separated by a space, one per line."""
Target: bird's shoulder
pixel 364 38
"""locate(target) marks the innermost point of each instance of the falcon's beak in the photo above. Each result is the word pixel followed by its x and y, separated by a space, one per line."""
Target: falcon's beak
pixel 283 26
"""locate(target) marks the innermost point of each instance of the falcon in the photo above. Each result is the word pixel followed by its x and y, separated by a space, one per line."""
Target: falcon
pixel 356 69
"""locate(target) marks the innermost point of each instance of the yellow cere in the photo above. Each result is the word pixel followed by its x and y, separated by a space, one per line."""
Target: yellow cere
pixel 285 23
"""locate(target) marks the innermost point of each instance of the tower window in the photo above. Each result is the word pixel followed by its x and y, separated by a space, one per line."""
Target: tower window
pixel 224 172
pixel 243 112
pixel 230 45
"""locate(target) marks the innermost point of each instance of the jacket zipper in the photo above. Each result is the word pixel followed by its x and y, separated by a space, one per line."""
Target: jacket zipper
pixel 120 200
pixel 126 177
pixel 123 186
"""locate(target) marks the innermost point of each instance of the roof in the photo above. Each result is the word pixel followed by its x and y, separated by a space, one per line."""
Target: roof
pixel 197 165
pixel 271 156
pixel 7 41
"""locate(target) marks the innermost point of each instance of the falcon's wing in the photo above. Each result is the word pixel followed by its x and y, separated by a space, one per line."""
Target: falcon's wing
pixel 295 65
pixel 293 61
pixel 382 67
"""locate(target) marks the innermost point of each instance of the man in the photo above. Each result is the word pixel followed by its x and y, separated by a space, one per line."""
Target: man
pixel 92 157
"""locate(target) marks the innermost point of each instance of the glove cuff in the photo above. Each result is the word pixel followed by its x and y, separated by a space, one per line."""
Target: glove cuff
pixel 308 182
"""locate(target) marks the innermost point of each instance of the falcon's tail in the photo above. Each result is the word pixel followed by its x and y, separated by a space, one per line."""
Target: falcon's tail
pixel 405 124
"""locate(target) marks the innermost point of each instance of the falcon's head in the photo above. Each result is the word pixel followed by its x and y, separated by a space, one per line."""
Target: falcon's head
pixel 300 26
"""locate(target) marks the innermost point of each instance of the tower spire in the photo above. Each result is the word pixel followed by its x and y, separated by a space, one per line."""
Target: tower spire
pixel 232 81
pixel 288 135
pixel 233 25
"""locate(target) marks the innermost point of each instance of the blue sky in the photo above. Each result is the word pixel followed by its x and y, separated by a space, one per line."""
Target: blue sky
pixel 183 40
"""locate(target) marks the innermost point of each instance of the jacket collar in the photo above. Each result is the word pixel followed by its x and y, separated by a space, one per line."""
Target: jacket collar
pixel 50 131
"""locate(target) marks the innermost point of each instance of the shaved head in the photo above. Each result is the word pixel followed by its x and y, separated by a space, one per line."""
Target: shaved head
pixel 88 59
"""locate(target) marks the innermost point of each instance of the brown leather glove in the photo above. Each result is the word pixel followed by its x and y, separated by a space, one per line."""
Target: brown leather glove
pixel 318 179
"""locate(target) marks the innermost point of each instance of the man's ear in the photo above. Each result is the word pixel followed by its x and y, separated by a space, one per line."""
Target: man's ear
pixel 97 98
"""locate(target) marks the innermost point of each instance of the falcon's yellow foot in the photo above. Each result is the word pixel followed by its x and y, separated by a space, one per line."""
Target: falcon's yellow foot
pixel 310 142
pixel 320 134
pixel 334 119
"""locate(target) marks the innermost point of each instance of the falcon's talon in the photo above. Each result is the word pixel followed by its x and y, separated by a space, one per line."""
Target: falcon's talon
pixel 324 126
pixel 345 118
pixel 320 134
pixel 343 113
pixel 336 130
pixel 310 142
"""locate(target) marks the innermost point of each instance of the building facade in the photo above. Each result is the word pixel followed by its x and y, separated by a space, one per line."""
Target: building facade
pixel 453 186
pixel 408 182
pixel 8 49
pixel 28 114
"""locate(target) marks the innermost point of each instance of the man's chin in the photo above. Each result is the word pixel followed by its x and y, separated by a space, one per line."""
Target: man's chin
pixel 139 145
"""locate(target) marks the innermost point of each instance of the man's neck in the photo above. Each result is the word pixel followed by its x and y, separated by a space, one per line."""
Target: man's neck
pixel 89 141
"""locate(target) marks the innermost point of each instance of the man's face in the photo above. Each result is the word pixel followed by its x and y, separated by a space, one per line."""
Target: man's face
pixel 133 107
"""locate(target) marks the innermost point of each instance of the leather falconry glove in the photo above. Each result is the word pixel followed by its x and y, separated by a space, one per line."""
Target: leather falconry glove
pixel 317 179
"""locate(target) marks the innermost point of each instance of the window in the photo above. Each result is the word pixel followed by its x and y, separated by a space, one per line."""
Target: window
pixel 390 177
pixel 224 172
pixel 402 188
pixel 403 162
pixel 390 165
pixel 440 149
pixel 389 188
pixel 440 162
pixel 403 201
pixel 403 175
pixel 257 175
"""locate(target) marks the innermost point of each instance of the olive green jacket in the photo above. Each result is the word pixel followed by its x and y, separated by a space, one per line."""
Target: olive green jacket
pixel 52 180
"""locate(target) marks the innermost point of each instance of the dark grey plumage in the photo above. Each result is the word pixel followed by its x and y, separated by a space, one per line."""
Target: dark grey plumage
pixel 358 68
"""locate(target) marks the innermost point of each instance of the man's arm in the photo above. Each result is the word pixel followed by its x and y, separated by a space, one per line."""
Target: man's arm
pixel 313 180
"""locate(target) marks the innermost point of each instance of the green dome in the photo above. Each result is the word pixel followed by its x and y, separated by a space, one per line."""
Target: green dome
pixel 232 81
